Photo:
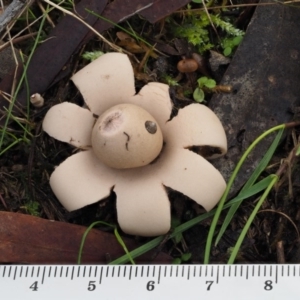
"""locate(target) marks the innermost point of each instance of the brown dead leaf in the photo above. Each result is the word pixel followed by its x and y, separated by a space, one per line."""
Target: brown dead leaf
pixel 28 239
pixel 131 46
pixel 124 36
pixel 129 43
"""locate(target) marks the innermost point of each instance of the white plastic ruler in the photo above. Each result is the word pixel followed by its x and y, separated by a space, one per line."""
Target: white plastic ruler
pixel 64 282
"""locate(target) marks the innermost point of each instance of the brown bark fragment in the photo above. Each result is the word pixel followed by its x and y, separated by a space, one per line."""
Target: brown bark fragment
pixel 27 239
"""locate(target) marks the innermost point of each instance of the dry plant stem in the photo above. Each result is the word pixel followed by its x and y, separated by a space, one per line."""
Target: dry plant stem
pixel 13 88
pixel 44 11
pixel 290 2
pixel 288 161
pixel 289 174
pixel 284 215
pixel 280 253
pixel 15 40
pixel 3 202
pixel 210 20
pixel 222 7
pixel 30 163
pixel 145 58
pixel 8 98
pixel 15 9
pixel 160 246
pixel 21 31
pixel 286 169
pixel 113 46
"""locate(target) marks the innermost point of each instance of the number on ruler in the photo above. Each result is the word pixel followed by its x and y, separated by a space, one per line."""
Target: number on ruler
pixel 268 285
pixel 34 286
pixel 91 286
pixel 150 286
pixel 209 285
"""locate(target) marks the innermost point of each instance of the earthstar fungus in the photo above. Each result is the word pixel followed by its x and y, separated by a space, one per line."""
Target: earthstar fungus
pixel 131 146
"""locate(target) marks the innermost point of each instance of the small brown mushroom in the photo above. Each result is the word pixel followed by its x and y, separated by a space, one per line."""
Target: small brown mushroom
pixel 126 136
pixel 187 65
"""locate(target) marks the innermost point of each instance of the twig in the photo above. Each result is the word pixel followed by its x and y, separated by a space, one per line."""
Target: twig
pixel 210 20
pixel 19 39
pixel 280 253
pixel 284 215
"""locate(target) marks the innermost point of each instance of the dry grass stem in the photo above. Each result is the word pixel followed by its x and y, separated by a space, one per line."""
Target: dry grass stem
pixel 40 5
pixel 284 215
pixel 113 46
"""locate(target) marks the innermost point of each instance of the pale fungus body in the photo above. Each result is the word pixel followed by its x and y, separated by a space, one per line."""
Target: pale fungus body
pixel 131 146
pixel 121 137
pixel 37 100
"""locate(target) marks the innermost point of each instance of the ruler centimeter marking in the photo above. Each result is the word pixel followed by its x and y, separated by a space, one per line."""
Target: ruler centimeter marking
pixel 149 281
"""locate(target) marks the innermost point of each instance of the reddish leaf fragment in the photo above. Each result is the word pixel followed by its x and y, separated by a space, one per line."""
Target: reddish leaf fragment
pixel 28 239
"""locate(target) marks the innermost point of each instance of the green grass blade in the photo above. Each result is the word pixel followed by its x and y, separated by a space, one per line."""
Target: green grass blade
pixel 25 129
pixel 250 220
pixel 121 242
pixel 10 146
pixel 117 235
pixel 256 188
pixel 251 191
pixel 116 25
pixel 14 98
pixel 231 180
pixel 85 235
pixel 298 151
pixel 138 251
pixel 258 170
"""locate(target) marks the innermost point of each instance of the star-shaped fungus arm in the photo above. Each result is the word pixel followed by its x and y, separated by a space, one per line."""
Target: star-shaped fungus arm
pixel 196 126
pixel 81 180
pixel 154 98
pixel 70 123
pixel 193 176
pixel 143 206
pixel 105 82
